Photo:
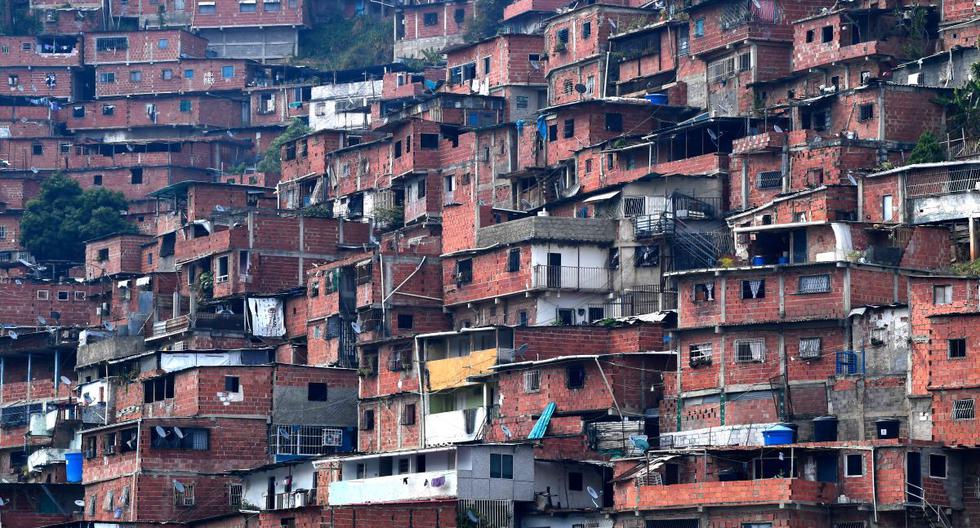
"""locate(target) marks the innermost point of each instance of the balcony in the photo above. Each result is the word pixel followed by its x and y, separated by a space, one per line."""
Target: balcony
pixel 394 488
pixel 198 321
pixel 293 499
pixel 938 192
pixel 115 347
pixel 551 228
pixel 732 493
pixel 575 278
pixel 465 425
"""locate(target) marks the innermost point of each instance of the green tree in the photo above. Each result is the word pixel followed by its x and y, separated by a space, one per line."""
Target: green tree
pixel 57 223
pixel 338 43
pixel 927 150
pixel 271 160
pixel 486 19
pixel 963 106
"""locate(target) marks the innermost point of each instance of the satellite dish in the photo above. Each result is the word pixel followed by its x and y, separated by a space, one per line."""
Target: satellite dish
pixel 472 517
pixel 42 321
pixel 219 208
pixel 88 398
pixel 852 180
pixel 160 431
pixel 778 129
pixel 178 486
pixel 592 492
pixel 506 431
pixel 712 134
pixel 109 326
pixel 129 147
pixel 640 442
pixel 80 503
pixel 66 380
pixel 12 334
pixel 612 23
pixel 521 350
pixel 178 432
pixel 356 326
pixel 580 88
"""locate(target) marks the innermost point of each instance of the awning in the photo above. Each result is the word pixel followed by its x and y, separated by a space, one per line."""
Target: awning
pixel 601 197
pixel 143 281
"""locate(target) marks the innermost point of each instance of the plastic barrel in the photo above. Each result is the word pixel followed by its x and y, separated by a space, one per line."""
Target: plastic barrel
pixel 777 435
pixel 887 428
pixel 825 429
pixel 73 466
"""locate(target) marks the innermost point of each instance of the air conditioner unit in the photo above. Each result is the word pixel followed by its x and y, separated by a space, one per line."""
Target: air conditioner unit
pixel 916 78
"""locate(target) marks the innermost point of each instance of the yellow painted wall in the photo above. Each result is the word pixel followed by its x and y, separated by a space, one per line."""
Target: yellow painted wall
pixel 452 372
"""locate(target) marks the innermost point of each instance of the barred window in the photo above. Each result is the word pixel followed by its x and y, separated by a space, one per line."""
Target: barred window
pixel 750 351
pixel 814 284
pixel 704 291
pixel 809 347
pixel 769 179
pixel 532 381
pixel 235 495
pixel 942 294
pixel 957 348
pixel 754 289
pixel 700 352
pixel 964 409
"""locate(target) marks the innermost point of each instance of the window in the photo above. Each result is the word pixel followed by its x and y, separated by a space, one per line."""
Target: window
pixel 97 180
pixel 135 76
pixel 750 351
pixel 757 525
pixel 109 444
pixel 107 77
pixel 136 175
pixel 429 141
pixel 814 284
pixel 699 27
pixel 316 392
pixel 128 440
pixel 486 65
pixel 614 122
pixel 809 347
pixel 867 111
pixel 408 415
pixel 501 466
pixel 646 256
pixel 586 30
pixel 956 348
pixel 769 180
pixel 42 295
pixel 887 203
pixel 964 409
pixel 552 133
pixel 158 389
pixel 575 376
pixel 576 481
pixel 188 74
pixel 271 6
pixel 405 321
pixel 90 447
pixel 937 466
pixel 809 35
pixel 430 19
pixel 167 74
pixel 561 38
pixel 111 44
pixel 206 8
pixel 566 316
pixel 521 101
pixel 398 149
pixel 854 465
pixel 163 43
pixel 64 295
pixel 700 354
pixel 37 149
pixel 827 34
pixel 185 105
pixel 754 289
pixel 13 80
pixel 514 260
pixel 569 128
pixel 232 384
pixel 188 439
pixel 704 291
pixel 367 420
pixel 184 498
pixel 79 296
pixel 235 495
pixel 942 294
pixel 532 381
pixel 3 232
pixel 588 165
pixel 227 72
pixel 459 15
pixel 464 271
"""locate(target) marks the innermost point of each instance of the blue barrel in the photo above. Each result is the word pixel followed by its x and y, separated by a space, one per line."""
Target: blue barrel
pixel 73 466
pixel 777 435
pixel 758 260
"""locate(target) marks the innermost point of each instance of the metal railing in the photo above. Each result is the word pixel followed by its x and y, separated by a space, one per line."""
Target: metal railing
pixel 942 180
pixel 571 278
pixel 636 303
pixel 934 514
pixel 305 440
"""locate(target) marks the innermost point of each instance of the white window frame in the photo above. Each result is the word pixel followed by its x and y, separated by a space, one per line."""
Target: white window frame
pixel 966 406
pixel 847 472
pixel 532 381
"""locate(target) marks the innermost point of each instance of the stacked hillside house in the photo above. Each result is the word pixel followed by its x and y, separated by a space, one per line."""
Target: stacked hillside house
pixel 699 264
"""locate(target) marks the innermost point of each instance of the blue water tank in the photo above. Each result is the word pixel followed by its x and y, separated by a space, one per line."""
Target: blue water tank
pixel 758 260
pixel 73 466
pixel 657 99
pixel 778 435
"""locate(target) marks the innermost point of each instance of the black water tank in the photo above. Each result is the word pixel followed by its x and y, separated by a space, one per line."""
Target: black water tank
pixel 825 429
pixel 887 428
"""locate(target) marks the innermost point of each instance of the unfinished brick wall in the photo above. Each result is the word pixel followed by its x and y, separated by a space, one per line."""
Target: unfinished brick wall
pixel 144 46
pixel 189 75
pixel 389 433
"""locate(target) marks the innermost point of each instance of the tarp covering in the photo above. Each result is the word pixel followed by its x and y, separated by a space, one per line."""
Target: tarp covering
pixel 266 318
